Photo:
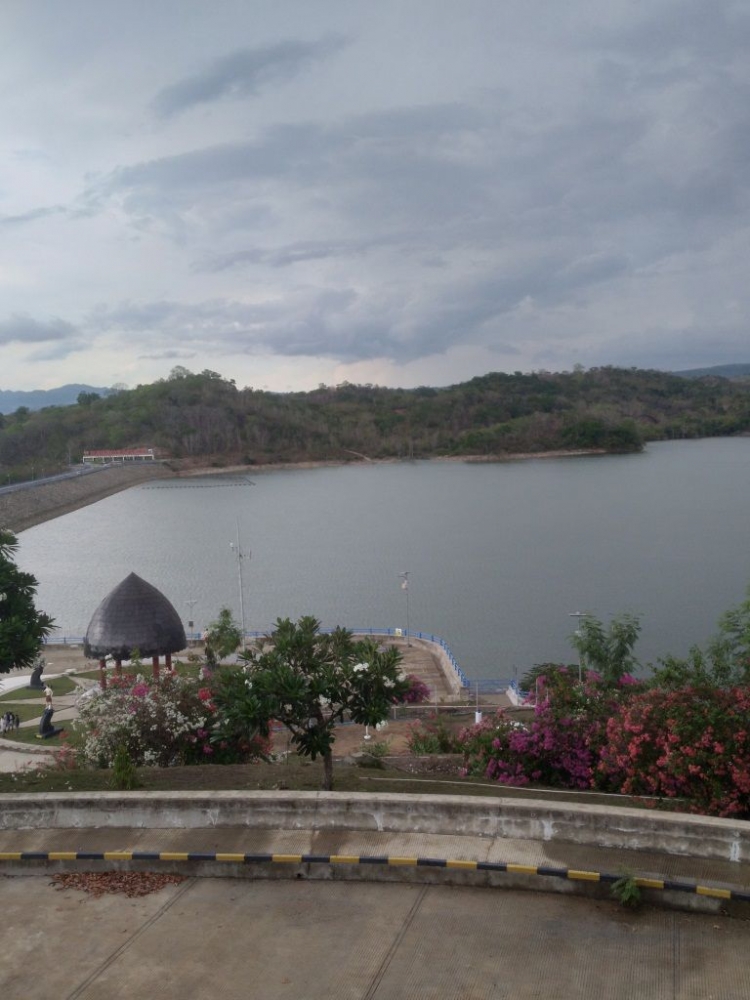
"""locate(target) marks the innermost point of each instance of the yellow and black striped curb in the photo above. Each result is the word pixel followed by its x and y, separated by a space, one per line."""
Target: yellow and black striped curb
pixel 455 864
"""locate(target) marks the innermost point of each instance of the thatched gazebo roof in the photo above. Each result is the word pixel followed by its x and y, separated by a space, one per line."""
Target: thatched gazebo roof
pixel 134 616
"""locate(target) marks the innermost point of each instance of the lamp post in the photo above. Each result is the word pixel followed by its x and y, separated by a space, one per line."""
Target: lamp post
pixel 237 549
pixel 405 587
pixel 191 604
pixel 578 615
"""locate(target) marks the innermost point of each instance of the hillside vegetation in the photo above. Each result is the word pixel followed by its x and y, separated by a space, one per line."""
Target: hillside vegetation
pixel 205 418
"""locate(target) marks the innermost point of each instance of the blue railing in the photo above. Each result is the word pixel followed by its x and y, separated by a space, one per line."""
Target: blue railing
pixel 259 634
pixel 397 632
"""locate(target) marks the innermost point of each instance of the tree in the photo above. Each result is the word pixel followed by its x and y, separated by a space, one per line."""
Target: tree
pixel 724 663
pixel 23 629
pixel 608 651
pixel 87 398
pixel 222 638
pixel 309 681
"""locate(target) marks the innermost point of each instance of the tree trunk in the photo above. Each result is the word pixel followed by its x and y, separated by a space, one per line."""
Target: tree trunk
pixel 328 771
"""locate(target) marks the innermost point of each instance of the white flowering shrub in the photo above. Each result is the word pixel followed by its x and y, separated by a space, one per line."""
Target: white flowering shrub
pixel 159 723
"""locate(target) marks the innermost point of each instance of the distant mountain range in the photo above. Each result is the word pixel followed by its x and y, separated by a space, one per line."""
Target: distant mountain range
pixel 722 371
pixel 37 399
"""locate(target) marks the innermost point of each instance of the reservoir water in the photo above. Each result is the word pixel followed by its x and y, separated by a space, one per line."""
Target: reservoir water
pixel 499 555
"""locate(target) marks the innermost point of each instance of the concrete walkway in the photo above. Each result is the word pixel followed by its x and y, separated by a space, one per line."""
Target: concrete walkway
pixel 242 940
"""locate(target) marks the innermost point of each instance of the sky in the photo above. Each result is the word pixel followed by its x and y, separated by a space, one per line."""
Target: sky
pixel 400 192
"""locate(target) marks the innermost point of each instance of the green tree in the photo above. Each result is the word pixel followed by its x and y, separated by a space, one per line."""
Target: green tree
pixel 23 629
pixel 222 638
pixel 87 398
pixel 724 663
pixel 608 651
pixel 310 681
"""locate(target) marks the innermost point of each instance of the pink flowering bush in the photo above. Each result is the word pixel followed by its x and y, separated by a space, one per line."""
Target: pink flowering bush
pixel 417 693
pixel 691 744
pixel 561 745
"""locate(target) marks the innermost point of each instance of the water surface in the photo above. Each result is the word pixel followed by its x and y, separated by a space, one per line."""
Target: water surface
pixel 499 555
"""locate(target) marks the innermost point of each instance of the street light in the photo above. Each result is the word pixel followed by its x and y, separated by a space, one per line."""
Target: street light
pixel 237 549
pixel 191 604
pixel 405 587
pixel 578 615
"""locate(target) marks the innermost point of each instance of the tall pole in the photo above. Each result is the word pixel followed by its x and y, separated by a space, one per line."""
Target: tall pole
pixel 191 604
pixel 405 587
pixel 578 615
pixel 237 549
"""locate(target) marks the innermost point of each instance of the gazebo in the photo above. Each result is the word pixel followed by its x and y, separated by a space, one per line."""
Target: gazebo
pixel 134 617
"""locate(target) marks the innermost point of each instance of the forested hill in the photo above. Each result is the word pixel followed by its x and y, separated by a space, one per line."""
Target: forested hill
pixel 206 417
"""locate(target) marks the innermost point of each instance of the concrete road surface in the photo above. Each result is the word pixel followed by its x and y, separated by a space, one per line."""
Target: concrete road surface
pixel 300 940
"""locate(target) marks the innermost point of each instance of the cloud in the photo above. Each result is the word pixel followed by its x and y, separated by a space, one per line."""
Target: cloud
pixel 32 215
pixel 23 329
pixel 168 356
pixel 245 73
pixel 294 253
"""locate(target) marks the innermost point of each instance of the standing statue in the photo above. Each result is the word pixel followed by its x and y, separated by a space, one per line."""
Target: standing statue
pixel 36 682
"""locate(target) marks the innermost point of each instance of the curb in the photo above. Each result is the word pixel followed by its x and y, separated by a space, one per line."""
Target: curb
pixel 571 874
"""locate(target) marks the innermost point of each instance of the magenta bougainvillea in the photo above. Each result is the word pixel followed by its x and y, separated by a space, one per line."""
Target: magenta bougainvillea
pixel 561 745
pixel 690 746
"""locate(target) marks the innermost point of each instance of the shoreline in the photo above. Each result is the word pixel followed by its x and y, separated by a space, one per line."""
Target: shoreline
pixel 201 471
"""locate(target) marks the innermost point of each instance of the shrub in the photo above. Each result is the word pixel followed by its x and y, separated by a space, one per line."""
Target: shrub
pixel 432 735
pixel 157 723
pixel 692 744
pixel 561 746
pixel 417 693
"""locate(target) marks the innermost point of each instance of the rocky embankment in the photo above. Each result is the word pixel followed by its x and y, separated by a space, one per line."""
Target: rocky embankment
pixel 38 502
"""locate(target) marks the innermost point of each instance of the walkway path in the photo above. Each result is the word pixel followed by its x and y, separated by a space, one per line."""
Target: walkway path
pixel 241 940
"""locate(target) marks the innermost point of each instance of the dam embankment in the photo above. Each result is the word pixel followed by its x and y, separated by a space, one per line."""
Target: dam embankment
pixel 38 502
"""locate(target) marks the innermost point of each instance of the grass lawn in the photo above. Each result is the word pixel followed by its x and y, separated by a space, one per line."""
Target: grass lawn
pixel 59 685
pixel 20 737
pixel 296 774
pixel 25 712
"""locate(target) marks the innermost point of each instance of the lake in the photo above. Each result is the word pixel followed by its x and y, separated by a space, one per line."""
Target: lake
pixel 499 555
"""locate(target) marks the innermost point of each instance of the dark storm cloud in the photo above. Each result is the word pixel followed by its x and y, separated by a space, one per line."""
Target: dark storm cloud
pixel 24 329
pixel 244 73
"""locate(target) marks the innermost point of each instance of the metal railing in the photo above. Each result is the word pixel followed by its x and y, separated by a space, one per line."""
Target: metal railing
pixel 67 640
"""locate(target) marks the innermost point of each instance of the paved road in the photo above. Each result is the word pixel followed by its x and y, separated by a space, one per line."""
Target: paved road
pixel 241 940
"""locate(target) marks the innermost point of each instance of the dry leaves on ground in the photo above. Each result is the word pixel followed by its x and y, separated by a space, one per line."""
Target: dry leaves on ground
pixel 128 883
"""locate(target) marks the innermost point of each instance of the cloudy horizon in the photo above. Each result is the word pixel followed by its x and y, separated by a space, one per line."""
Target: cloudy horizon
pixel 400 194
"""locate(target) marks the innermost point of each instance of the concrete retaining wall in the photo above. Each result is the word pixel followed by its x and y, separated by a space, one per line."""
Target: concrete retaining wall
pixel 625 829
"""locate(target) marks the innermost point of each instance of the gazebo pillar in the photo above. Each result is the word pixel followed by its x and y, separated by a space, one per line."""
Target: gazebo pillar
pixel 118 668
pixel 103 674
pixel 168 662
pixel 155 662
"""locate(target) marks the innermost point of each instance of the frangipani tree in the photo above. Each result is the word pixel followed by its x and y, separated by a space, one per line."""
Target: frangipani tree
pixel 309 681
pixel 23 629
